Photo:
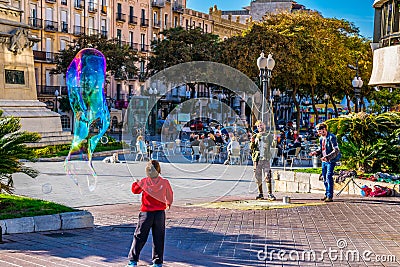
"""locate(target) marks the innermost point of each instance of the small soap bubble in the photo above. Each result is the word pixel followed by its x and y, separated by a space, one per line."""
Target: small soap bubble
pixel 47 188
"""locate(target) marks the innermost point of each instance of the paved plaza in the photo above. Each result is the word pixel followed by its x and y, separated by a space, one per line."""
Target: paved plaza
pixel 352 231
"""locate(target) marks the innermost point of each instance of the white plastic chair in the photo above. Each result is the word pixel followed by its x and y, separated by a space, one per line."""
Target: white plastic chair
pixel 170 148
pixel 295 157
pixel 235 157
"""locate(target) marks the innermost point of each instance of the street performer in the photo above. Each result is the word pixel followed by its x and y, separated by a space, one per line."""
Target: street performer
pixel 260 147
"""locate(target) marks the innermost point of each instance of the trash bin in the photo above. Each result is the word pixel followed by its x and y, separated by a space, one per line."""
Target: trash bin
pixel 316 162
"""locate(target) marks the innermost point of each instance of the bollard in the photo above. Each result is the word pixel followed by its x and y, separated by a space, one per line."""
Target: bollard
pixel 316 162
pixel 286 200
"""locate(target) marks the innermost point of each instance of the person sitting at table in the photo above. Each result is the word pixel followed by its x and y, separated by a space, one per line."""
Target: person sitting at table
pixel 291 148
pixel 211 142
pixel 219 139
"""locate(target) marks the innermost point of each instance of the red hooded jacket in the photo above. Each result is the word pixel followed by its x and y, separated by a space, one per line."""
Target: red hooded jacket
pixel 157 193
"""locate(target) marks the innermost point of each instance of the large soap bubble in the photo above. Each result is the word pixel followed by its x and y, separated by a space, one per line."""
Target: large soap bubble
pixel 85 79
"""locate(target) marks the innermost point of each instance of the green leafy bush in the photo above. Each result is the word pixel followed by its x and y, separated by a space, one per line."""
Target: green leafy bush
pixel 369 142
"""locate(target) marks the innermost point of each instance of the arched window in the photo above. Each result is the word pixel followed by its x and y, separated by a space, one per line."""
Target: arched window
pixel 65 122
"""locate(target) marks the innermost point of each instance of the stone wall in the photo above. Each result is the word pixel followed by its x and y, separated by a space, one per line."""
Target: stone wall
pixel 259 8
pixel 299 182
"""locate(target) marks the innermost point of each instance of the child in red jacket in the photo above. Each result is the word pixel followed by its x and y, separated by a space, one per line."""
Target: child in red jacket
pixel 157 196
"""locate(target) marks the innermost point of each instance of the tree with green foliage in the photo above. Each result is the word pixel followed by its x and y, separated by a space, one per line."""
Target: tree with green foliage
pixel 180 45
pixel 368 142
pixel 311 54
pixel 12 149
pixel 120 58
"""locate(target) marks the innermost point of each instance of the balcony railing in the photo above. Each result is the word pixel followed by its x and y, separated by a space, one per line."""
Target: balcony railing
pixel 144 48
pixel 390 40
pixel 134 46
pixel 156 24
pixel 144 22
pixel 78 4
pixel 78 30
pixel 158 3
pixel 48 57
pixel 104 33
pixel 51 26
pixel 92 7
pixel 132 20
pixel 177 8
pixel 64 27
pixel 92 32
pixel 120 17
pixel 35 22
pixel 50 89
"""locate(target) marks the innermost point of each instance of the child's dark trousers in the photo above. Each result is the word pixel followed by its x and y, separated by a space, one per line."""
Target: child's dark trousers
pixel 154 220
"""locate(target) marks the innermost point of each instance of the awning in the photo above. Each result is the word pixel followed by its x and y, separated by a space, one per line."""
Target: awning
pixel 386 67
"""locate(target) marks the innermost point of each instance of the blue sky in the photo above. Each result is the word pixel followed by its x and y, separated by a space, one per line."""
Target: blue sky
pixel 360 12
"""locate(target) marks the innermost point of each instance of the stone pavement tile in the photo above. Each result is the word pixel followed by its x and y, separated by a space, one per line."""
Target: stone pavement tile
pixel 219 237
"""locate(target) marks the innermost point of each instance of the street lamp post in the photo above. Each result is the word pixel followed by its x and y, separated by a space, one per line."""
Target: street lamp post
pixel 357 84
pixel 276 94
pixel 153 93
pixel 326 98
pixel 265 65
pixel 221 98
pixel 56 94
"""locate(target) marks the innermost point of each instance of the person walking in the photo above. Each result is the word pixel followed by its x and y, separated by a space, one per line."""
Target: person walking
pixel 330 155
pixel 157 196
pixel 260 147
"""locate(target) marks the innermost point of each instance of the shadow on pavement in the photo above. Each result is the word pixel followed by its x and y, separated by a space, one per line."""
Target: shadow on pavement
pixel 187 246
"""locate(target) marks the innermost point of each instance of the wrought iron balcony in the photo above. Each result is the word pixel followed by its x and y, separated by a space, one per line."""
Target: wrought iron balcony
pixel 120 17
pixel 144 22
pixel 35 22
pixel 78 4
pixel 44 56
pixel 78 30
pixel 104 33
pixel 91 7
pixel 158 3
pixel 156 24
pixel 51 26
pixel 132 20
pixel 92 32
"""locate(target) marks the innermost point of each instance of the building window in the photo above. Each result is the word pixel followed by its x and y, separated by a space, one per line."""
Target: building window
pixel 65 122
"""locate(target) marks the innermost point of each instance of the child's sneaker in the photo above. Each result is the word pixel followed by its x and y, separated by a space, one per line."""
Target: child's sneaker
pixel 131 263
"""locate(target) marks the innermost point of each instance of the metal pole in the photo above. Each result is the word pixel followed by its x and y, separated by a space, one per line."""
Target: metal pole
pixel 326 109
pixel 262 81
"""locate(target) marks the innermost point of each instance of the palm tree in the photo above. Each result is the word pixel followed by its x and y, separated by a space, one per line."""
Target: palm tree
pixel 12 149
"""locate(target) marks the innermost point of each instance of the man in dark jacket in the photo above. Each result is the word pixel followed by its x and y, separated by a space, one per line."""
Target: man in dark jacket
pixel 330 155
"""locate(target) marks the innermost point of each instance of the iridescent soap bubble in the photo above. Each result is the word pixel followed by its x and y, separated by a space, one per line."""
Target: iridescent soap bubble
pixel 85 80
pixel 47 188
